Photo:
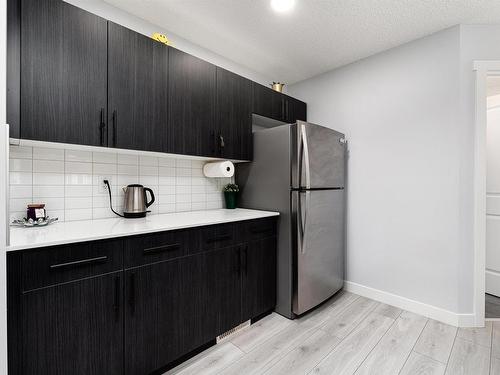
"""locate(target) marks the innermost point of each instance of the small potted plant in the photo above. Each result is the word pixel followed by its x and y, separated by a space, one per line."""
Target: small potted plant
pixel 230 194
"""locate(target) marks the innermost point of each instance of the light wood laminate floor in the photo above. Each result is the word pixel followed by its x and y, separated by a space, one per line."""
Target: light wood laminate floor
pixel 352 335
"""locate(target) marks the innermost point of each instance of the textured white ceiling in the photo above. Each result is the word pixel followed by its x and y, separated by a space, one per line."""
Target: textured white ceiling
pixel 317 36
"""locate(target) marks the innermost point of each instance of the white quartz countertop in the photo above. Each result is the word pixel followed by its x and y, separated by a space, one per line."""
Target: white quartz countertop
pixel 88 230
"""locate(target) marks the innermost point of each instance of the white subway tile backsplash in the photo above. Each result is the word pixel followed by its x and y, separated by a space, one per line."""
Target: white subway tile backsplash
pixel 20 152
pixel 128 169
pixel 214 205
pixel 167 189
pixel 183 163
pixel 197 164
pixel 78 191
pixel 78 156
pixel 184 181
pixel 51 203
pixel 183 172
pixel 182 207
pixel 198 189
pixel 77 167
pixel 104 169
pixel 78 179
pixel 48 166
pixel 166 162
pixel 167 181
pixel 149 181
pixel 148 161
pixel 19 204
pixel 47 153
pixel 167 171
pixel 128 159
pixel 78 214
pixel 69 182
pixel 48 191
pixel 56 213
pixel 20 165
pixel 148 171
pixel 21 191
pixel 104 212
pixel 196 206
pixel 48 178
pixel 21 178
pixel 166 199
pixel 183 198
pixel 199 181
pixel 104 157
pixel 182 189
pixel 77 202
pixel 166 208
pixel 197 198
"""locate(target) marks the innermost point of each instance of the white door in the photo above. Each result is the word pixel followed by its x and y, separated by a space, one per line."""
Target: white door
pixel 493 203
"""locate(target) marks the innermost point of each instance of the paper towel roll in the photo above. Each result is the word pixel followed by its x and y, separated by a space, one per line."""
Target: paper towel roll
pixel 219 169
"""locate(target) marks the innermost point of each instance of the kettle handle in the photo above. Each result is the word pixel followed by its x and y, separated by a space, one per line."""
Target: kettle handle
pixel 149 203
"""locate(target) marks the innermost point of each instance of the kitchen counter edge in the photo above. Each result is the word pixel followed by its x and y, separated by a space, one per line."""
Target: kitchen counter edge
pixel 91 230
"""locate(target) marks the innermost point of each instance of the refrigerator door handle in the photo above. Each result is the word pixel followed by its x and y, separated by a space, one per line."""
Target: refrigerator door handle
pixel 304 157
pixel 303 220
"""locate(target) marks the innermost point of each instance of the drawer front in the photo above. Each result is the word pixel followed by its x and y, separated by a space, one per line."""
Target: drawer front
pixel 259 228
pixel 60 264
pixel 216 237
pixel 157 247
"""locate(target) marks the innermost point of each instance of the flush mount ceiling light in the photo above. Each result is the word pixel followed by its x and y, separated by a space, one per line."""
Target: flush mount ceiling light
pixel 282 5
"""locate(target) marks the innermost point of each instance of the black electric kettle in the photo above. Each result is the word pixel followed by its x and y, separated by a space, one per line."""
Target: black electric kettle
pixel 135 203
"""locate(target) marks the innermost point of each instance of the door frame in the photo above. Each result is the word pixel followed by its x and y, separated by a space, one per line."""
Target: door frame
pixel 482 70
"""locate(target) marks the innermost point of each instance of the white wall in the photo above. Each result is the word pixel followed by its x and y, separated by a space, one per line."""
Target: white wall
pixel 399 110
pixel 477 42
pixel 121 17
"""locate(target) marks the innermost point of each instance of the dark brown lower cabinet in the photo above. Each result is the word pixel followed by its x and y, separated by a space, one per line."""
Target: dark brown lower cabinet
pixel 163 321
pixel 113 314
pixel 74 328
pixel 259 277
pixel 225 288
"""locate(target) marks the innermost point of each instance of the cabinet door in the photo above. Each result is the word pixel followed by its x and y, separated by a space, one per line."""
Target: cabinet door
pixel 295 110
pixel 74 328
pixel 267 102
pixel 167 313
pixel 234 116
pixel 224 272
pixel 259 277
pixel 137 90
pixel 63 73
pixel 191 98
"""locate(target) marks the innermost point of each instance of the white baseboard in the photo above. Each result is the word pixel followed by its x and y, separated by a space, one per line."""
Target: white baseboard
pixel 433 312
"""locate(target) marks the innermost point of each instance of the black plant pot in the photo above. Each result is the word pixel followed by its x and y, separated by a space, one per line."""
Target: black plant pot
pixel 230 197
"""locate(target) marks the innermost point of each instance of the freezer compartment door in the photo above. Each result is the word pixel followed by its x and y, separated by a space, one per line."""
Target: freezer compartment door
pixel 318 159
pixel 318 223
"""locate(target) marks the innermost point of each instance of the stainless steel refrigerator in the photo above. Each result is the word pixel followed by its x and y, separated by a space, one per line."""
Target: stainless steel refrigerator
pixel 298 170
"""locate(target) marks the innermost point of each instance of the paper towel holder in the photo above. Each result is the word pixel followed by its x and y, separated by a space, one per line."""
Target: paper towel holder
pixel 219 169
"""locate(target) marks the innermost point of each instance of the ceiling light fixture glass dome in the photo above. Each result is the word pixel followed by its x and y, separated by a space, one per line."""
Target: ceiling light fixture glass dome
pixel 282 5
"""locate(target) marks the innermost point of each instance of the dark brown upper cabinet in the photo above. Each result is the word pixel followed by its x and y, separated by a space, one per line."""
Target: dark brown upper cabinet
pixel 294 109
pixel 267 102
pixel 63 73
pixel 137 90
pixel 191 93
pixel 233 132
pixel 74 77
